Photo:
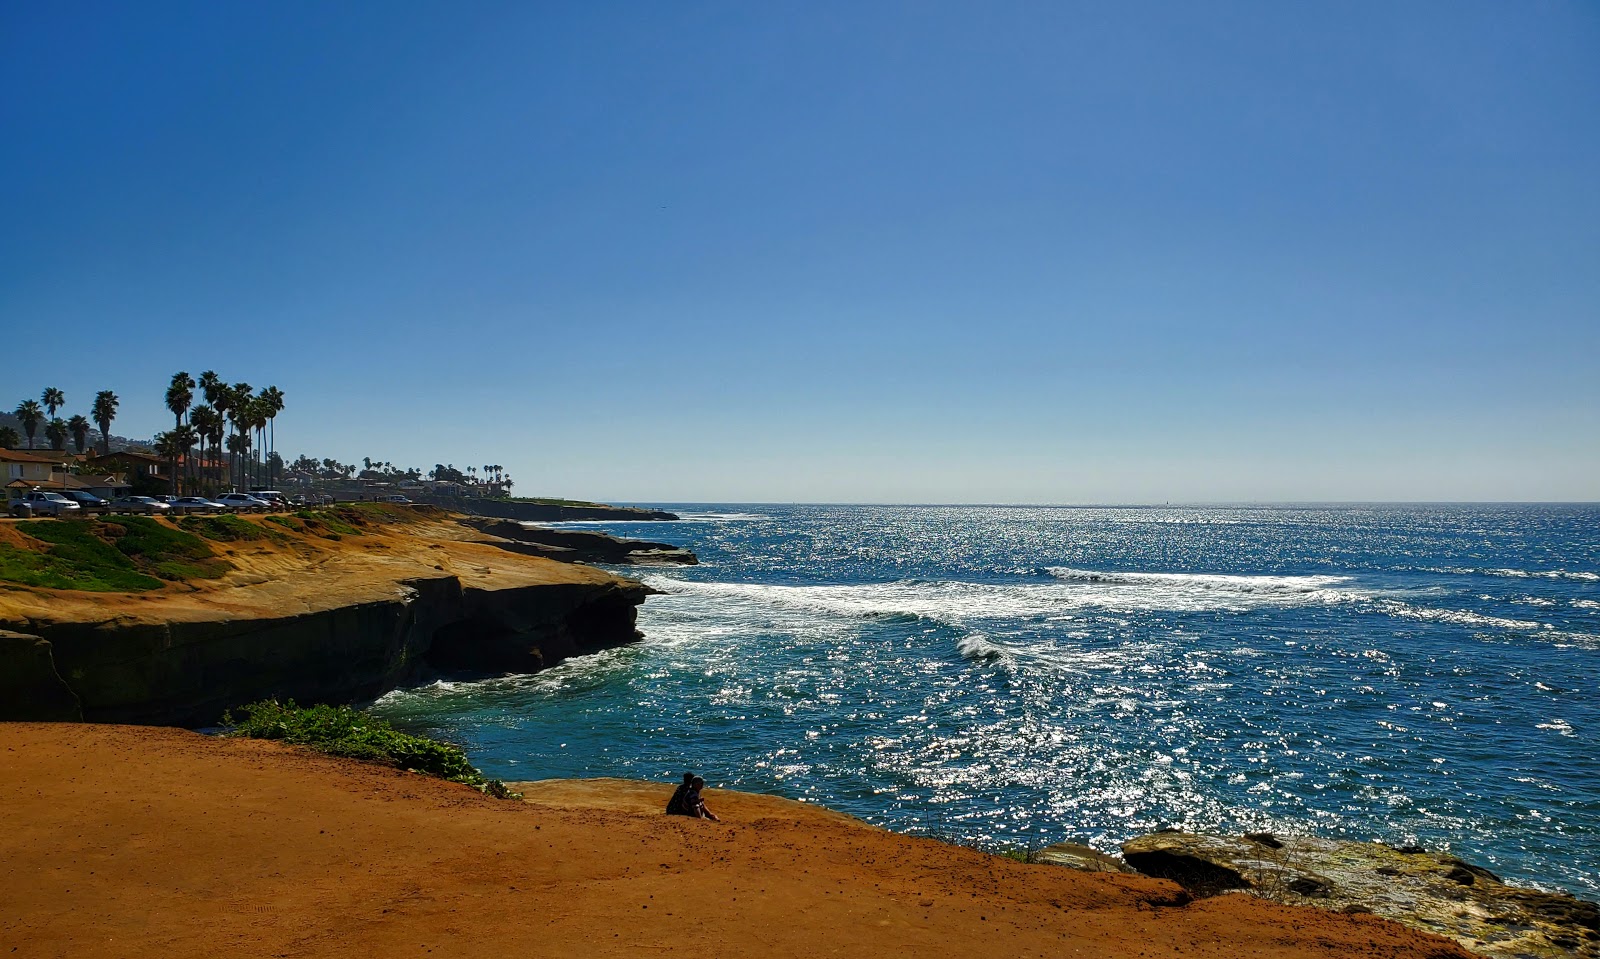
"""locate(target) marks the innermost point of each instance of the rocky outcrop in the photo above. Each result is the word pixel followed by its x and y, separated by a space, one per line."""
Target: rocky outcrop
pixel 1433 892
pixel 547 512
pixel 1077 856
pixel 188 672
pixel 524 631
pixel 583 546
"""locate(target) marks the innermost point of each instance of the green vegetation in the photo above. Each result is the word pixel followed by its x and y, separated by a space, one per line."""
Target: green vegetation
pixel 342 731
pixel 325 523
pixel 227 529
pixel 133 555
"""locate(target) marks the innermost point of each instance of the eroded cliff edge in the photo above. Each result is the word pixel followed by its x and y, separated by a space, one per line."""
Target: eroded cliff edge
pixel 319 619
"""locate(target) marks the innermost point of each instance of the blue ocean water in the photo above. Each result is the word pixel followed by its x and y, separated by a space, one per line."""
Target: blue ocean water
pixel 1009 676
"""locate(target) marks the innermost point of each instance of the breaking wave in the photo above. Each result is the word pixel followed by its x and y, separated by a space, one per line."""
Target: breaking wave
pixel 1071 590
pixel 1576 576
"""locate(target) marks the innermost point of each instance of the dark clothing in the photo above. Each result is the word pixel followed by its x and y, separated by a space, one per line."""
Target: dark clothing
pixel 677 805
pixel 693 805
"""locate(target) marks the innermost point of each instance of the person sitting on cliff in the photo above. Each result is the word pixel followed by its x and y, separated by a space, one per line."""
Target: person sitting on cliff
pixel 696 805
pixel 676 805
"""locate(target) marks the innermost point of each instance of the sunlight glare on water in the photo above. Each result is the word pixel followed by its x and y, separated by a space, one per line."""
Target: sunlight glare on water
pixel 1018 676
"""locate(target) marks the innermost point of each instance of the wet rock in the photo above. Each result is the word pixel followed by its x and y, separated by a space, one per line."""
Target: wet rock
pixel 1433 892
pixel 581 545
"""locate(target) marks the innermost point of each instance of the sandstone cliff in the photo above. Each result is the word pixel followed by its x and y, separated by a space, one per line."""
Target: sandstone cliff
pixel 308 617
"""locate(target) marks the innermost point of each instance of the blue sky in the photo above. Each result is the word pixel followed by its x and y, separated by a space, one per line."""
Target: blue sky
pixel 902 252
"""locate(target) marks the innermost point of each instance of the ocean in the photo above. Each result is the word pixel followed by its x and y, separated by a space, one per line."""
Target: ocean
pixel 1009 677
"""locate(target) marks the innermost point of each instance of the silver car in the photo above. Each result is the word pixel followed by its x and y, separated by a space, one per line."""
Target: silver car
pixel 196 504
pixel 45 503
pixel 243 503
pixel 139 504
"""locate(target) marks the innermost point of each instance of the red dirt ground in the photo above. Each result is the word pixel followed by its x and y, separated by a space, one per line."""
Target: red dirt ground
pixel 138 842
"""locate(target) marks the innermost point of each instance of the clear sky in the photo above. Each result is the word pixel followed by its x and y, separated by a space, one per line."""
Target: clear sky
pixel 902 252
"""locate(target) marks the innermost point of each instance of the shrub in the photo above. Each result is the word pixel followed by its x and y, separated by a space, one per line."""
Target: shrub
pixel 342 731
pixel 224 529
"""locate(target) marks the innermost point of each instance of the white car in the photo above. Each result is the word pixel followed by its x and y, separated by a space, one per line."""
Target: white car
pixel 243 502
pixel 45 503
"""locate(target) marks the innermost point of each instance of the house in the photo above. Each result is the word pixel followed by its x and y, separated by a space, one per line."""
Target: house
pixel 107 486
pixel 24 470
pixel 143 470
pixel 30 465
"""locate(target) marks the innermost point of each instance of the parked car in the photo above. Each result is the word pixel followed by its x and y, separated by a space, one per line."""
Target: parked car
pixel 86 500
pixel 45 503
pixel 276 499
pixel 396 498
pixel 139 504
pixel 243 503
pixel 197 504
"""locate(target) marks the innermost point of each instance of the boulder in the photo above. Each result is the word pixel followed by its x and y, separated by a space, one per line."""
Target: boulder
pixel 1434 892
pixel 1076 856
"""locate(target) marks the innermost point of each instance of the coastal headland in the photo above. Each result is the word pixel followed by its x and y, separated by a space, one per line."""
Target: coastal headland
pixel 335 605
pixel 160 842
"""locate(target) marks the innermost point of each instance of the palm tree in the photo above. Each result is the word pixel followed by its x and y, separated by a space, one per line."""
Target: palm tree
pixel 216 429
pixel 238 446
pixel 53 400
pixel 185 437
pixel 273 400
pixel 207 424
pixel 169 445
pixel 180 393
pixel 78 426
pixel 29 412
pixel 9 438
pixel 215 390
pixel 56 432
pixel 213 387
pixel 238 407
pixel 257 419
pixel 104 411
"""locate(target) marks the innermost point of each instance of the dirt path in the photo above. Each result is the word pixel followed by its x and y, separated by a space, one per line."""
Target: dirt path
pixel 134 842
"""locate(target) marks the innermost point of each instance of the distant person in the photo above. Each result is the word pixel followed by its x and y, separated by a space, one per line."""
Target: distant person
pixel 696 805
pixel 676 805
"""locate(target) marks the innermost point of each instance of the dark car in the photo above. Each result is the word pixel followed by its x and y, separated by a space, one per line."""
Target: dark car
pixel 87 500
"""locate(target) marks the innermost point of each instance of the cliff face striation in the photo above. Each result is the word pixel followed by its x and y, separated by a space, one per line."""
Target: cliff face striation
pixel 318 621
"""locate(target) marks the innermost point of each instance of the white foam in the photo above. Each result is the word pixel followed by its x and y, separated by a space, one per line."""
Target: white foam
pixel 980 648
pixel 1070 591
pixel 1458 616
pixel 1580 576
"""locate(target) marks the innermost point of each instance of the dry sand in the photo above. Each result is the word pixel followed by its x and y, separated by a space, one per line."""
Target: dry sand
pixel 133 842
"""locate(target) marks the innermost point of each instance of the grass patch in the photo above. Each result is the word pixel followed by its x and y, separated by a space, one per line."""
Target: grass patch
pixel 328 523
pixel 342 731
pixel 49 569
pixel 225 529
pixel 288 522
pixel 133 555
